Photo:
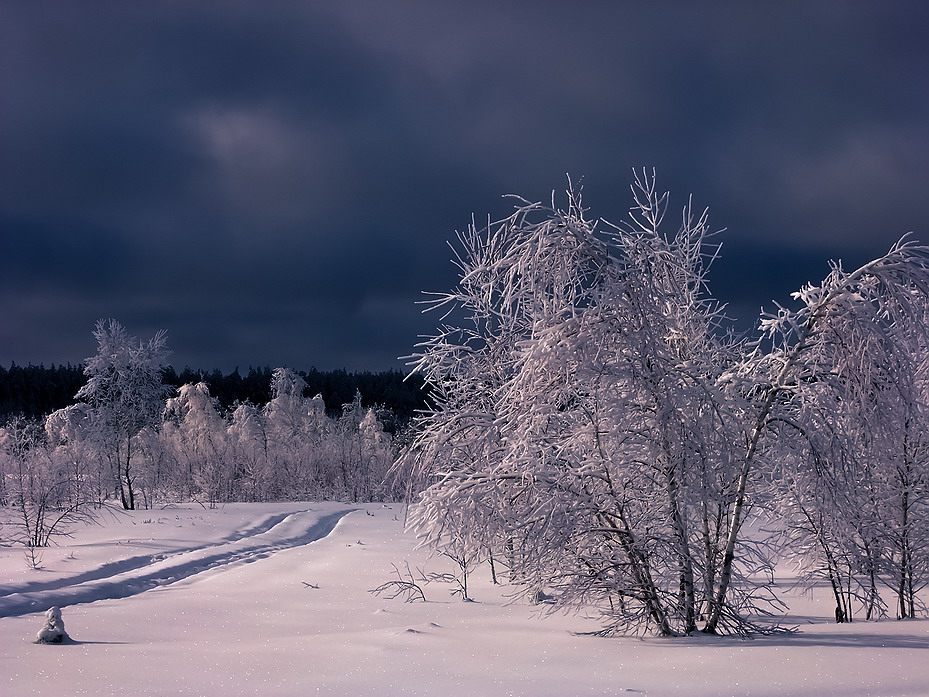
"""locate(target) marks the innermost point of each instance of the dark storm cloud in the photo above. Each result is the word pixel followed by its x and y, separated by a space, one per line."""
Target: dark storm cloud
pixel 274 182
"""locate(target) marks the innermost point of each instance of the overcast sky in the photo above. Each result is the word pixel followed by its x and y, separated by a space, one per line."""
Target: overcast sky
pixel 274 182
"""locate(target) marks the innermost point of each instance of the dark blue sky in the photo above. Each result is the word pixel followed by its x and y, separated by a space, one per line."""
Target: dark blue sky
pixel 274 183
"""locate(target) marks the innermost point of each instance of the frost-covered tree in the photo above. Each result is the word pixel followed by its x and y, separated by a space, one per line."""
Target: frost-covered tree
pixel 125 395
pixel 248 442
pixel 377 455
pixel 195 434
pixel 45 484
pixel 69 436
pixel 595 427
pixel 855 495
pixel 362 453
pixel 580 432
pixel 292 465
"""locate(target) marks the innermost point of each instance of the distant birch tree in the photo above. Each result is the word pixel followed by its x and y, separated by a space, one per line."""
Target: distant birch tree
pixel 195 435
pixel 125 395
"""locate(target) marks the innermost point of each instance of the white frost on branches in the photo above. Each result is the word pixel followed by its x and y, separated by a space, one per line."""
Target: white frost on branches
pixel 596 429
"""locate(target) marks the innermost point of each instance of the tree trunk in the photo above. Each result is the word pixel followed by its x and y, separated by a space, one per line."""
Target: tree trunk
pixel 685 562
pixel 642 576
pixel 127 494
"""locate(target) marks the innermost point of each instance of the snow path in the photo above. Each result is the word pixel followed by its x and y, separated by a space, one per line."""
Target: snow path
pixel 115 568
pixel 141 573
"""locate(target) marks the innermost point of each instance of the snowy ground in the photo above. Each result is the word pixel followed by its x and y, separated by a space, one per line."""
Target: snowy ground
pixel 273 600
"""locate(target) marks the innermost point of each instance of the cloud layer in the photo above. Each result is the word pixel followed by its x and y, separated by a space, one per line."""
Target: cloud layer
pixel 273 183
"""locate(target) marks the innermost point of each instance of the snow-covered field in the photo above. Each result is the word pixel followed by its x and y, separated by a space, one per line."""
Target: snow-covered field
pixel 273 599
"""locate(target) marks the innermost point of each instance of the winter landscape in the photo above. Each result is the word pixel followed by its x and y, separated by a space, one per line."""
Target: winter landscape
pixel 606 494
pixel 391 348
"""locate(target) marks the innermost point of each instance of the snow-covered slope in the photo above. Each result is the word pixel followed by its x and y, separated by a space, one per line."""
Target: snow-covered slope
pixel 274 599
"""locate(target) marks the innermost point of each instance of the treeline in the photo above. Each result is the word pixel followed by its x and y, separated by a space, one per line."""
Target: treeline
pixel 35 391
pixel 123 442
pixel 137 433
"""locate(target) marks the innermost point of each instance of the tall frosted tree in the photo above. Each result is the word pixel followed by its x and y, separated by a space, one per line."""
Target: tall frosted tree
pixel 580 432
pixel 596 428
pixel 291 466
pixel 125 395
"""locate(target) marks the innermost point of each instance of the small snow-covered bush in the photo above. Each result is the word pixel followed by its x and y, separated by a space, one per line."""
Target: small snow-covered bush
pixel 54 630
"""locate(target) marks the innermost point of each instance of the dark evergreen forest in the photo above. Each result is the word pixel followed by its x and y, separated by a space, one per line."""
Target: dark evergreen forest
pixel 35 391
